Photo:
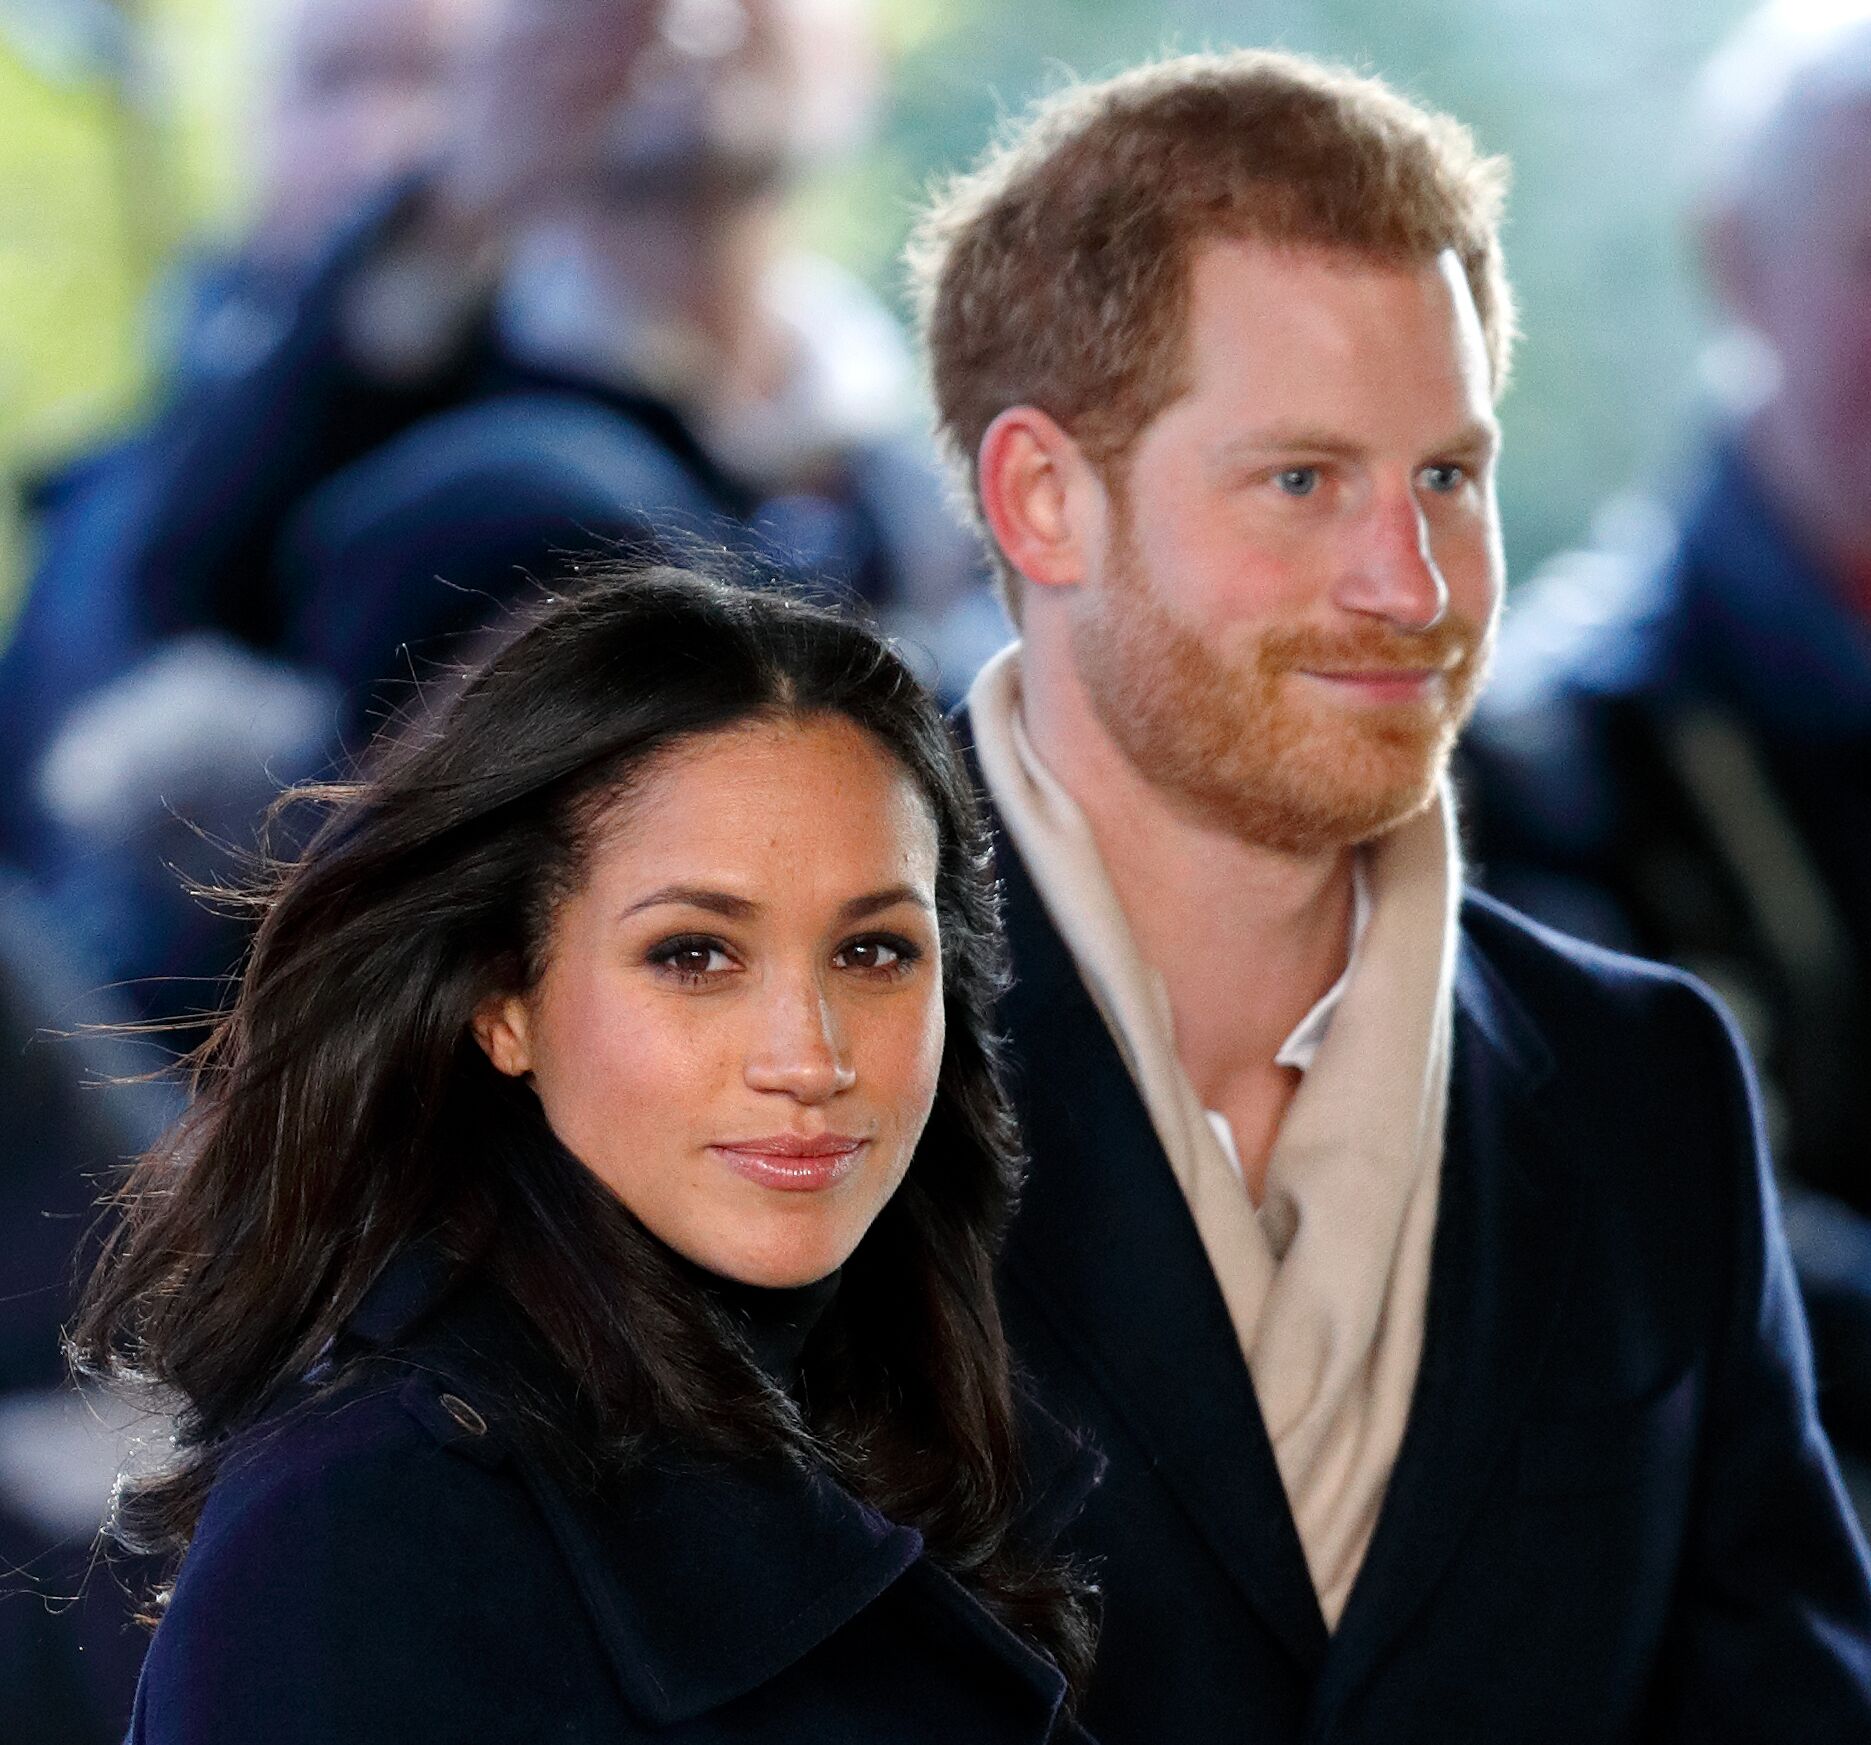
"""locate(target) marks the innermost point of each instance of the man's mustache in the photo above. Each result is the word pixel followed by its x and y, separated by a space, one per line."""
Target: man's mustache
pixel 1451 645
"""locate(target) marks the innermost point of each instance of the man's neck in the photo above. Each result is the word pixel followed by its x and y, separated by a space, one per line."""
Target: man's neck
pixel 1246 939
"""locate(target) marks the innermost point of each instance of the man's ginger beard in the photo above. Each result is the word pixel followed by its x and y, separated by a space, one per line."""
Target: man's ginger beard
pixel 1233 739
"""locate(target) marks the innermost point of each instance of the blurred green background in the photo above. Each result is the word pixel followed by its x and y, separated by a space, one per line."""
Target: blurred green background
pixel 121 127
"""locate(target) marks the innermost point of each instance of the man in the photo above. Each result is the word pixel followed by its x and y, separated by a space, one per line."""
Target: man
pixel 1414 1268
pixel 1677 756
pixel 350 97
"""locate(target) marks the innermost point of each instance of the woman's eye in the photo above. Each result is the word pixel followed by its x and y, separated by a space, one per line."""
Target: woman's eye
pixel 1444 479
pixel 1297 481
pixel 877 954
pixel 690 959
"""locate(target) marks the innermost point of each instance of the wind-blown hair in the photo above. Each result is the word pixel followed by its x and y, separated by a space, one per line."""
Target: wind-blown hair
pixel 343 1108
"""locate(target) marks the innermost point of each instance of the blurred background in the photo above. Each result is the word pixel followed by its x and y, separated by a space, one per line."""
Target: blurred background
pixel 329 326
pixel 125 129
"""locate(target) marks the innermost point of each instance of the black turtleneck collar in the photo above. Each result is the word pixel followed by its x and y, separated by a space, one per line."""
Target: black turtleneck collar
pixel 775 1322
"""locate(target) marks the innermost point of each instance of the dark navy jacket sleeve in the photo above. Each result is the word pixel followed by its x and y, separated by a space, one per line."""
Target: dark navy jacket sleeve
pixel 1771 1636
pixel 373 1585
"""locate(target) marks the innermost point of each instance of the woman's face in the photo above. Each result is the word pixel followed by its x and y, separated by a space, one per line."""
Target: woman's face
pixel 739 1026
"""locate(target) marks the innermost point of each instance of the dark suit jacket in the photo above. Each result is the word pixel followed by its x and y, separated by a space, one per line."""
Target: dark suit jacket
pixel 1613 1516
pixel 390 1566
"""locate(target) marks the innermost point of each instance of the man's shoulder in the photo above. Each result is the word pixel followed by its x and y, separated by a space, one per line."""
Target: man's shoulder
pixel 1553 973
pixel 1624 1038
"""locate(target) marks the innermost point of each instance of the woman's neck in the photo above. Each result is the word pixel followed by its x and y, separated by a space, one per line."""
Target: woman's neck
pixel 776 1322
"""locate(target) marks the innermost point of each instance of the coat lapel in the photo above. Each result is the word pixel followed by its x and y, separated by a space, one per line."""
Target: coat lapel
pixel 1105 1250
pixel 706 1579
pixel 1504 1239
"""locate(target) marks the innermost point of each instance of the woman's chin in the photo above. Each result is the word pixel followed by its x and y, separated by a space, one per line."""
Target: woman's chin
pixel 783 1263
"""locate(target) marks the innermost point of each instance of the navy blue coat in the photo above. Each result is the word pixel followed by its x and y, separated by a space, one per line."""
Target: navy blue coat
pixel 388 1566
pixel 1613 1516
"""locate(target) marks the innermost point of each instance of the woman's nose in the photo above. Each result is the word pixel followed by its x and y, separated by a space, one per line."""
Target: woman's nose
pixel 800 1050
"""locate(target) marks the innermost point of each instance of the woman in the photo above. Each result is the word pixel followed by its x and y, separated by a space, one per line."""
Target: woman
pixel 575 1271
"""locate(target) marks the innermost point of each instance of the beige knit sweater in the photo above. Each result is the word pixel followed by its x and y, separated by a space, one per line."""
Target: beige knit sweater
pixel 1327 1283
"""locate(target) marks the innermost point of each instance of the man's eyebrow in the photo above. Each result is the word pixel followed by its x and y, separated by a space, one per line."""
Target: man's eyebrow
pixel 1477 438
pixel 696 897
pixel 1284 439
pixel 1280 439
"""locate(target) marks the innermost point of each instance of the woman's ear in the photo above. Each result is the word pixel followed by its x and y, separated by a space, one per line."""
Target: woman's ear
pixel 500 1027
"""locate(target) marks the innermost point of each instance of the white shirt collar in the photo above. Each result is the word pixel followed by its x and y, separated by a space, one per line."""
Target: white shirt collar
pixel 1300 1048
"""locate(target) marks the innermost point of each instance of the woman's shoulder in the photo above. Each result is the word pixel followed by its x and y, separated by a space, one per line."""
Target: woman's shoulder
pixel 366 1445
pixel 405 1425
pixel 364 1554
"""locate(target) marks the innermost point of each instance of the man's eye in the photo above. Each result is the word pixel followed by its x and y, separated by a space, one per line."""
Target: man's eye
pixel 1297 481
pixel 1444 479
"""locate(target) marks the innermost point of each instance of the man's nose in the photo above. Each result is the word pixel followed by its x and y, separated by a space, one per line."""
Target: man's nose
pixel 799 1049
pixel 1392 573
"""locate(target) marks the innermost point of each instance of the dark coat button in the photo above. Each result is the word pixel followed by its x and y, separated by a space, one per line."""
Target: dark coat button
pixel 464 1414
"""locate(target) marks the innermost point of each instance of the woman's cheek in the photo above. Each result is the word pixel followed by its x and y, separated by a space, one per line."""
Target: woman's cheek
pixel 918 1066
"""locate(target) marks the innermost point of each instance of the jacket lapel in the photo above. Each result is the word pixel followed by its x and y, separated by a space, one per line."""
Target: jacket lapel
pixel 1504 1239
pixel 1105 1250
pixel 706 1581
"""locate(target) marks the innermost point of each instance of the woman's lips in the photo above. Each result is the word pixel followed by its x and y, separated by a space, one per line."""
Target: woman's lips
pixel 792 1164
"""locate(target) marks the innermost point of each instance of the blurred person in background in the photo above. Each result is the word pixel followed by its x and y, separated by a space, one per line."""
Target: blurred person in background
pixel 1674 757
pixel 658 360
pixel 585 323
pixel 351 95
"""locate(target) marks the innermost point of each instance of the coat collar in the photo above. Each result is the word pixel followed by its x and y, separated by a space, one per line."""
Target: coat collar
pixel 1187 1402
pixel 705 1579
pixel 1503 1252
pixel 1502 1241
pixel 709 1580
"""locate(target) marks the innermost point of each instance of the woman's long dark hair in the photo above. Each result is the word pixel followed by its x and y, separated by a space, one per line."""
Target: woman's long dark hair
pixel 342 1107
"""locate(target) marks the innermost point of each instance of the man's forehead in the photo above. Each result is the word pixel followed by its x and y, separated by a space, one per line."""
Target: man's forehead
pixel 1264 315
pixel 1248 265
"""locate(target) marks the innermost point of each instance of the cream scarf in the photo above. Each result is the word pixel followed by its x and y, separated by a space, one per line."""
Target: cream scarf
pixel 1327 1285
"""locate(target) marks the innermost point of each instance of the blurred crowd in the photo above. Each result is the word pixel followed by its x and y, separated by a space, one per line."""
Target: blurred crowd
pixel 521 291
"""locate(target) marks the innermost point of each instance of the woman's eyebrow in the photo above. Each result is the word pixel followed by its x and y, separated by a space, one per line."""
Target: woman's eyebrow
pixel 697 897
pixel 735 908
pixel 887 898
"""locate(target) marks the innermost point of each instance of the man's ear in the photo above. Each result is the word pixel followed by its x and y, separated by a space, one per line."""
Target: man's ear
pixel 1041 497
pixel 500 1027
